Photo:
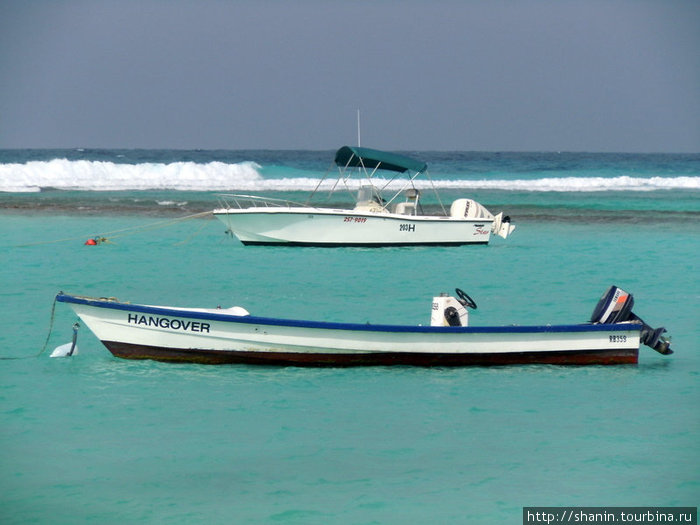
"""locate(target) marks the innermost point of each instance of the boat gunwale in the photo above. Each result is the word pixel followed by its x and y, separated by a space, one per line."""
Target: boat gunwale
pixel 111 304
pixel 348 212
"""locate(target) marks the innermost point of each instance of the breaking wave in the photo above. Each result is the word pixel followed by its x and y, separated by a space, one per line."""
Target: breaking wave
pixel 108 176
pixel 87 175
pixel 578 184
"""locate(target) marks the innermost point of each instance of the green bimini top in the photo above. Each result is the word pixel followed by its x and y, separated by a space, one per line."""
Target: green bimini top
pixel 354 156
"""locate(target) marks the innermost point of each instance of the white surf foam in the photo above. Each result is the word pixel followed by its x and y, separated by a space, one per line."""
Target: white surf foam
pixel 579 184
pixel 108 176
pixel 245 176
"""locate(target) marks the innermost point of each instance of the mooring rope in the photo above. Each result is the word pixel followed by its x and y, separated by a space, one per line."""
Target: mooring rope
pixel 124 231
pixel 157 225
pixel 48 336
pixel 46 343
pixel 191 236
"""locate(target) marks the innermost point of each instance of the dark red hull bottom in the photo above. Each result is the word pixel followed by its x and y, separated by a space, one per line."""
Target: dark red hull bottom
pixel 359 244
pixel 579 357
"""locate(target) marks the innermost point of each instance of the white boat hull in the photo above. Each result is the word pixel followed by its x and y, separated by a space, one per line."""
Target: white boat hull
pixel 215 336
pixel 331 227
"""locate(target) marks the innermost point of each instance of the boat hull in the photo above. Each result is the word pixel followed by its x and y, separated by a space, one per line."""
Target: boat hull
pixel 273 357
pixel 214 336
pixel 329 227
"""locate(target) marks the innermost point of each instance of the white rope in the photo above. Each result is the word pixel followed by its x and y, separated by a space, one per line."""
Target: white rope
pixel 124 231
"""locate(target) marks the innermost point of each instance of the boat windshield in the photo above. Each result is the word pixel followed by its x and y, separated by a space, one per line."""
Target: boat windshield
pixel 367 193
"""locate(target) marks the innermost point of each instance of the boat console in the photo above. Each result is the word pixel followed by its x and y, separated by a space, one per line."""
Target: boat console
pixel 448 311
pixel 369 200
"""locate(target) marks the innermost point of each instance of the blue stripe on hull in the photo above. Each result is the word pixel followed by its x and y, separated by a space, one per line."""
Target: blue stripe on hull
pixel 322 325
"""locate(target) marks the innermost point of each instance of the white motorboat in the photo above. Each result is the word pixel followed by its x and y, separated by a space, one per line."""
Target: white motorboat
pixel 215 335
pixel 374 221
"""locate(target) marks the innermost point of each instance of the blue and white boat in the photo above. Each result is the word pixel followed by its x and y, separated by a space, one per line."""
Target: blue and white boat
pixel 215 335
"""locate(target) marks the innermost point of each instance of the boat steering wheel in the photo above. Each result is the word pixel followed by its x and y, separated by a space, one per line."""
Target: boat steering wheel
pixel 465 299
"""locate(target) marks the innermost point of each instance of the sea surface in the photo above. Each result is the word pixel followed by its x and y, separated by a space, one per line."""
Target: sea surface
pixel 96 439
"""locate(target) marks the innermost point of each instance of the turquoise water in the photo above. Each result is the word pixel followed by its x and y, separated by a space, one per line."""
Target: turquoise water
pixel 97 439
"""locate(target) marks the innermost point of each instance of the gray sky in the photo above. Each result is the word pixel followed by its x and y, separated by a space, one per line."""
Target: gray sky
pixel 496 75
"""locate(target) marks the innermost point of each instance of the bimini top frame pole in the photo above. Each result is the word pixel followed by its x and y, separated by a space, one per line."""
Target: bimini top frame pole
pixel 370 161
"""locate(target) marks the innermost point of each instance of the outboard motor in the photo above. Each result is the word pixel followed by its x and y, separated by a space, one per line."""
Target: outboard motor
pixel 470 209
pixel 502 226
pixel 615 306
pixel 448 311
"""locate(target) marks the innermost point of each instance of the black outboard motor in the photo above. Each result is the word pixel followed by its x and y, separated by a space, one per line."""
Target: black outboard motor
pixel 615 306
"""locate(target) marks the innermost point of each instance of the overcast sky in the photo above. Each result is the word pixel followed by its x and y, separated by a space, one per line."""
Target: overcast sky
pixel 539 75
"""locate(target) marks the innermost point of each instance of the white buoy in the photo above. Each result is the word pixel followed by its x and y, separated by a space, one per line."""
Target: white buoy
pixel 68 349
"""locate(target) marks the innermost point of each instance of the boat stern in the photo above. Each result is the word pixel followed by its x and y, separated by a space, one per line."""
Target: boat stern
pixel 470 209
pixel 615 306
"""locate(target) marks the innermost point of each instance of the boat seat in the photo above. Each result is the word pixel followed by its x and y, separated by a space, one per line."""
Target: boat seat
pixel 405 208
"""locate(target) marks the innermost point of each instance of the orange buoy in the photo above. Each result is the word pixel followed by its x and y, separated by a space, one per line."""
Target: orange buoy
pixel 90 242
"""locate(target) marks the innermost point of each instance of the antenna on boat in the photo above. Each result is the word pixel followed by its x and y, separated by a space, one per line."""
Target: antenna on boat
pixel 358 129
